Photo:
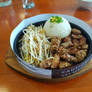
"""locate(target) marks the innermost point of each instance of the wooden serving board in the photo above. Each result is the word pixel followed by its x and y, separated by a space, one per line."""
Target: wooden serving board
pixel 12 62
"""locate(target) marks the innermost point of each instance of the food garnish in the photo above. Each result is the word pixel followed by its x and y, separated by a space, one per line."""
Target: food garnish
pixel 56 19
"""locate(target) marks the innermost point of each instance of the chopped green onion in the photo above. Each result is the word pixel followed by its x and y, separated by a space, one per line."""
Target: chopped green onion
pixel 56 19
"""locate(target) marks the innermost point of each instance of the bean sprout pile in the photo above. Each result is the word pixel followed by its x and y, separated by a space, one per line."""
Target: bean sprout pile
pixel 35 45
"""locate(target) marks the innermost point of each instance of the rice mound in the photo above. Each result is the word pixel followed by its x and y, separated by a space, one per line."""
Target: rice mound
pixel 61 30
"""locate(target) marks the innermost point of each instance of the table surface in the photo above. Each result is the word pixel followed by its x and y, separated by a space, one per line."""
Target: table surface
pixel 10 17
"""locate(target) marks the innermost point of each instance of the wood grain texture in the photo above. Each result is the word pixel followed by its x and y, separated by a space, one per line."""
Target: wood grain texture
pixel 10 17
